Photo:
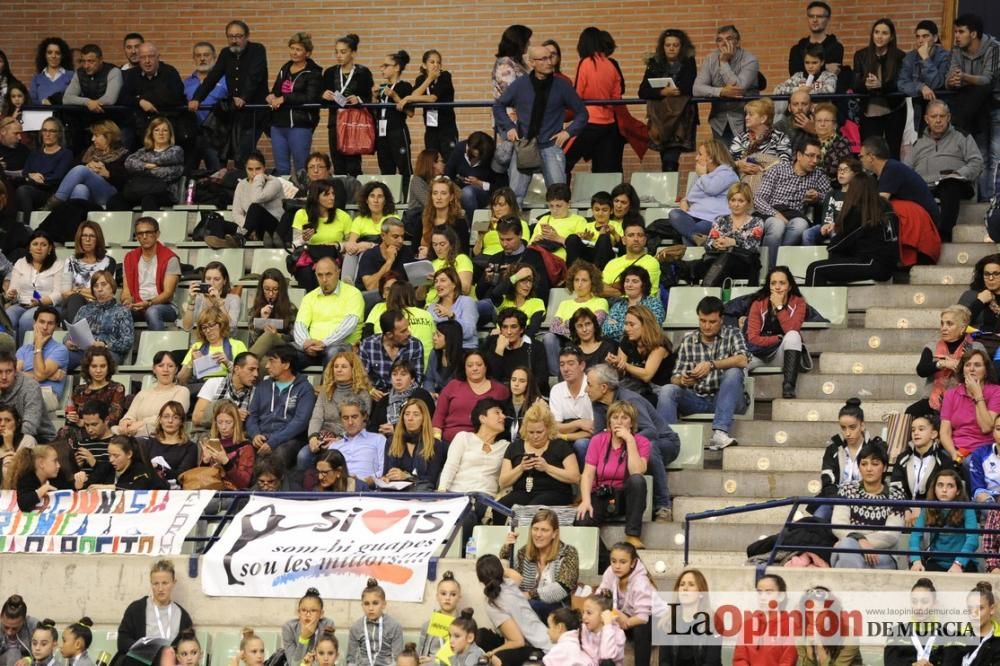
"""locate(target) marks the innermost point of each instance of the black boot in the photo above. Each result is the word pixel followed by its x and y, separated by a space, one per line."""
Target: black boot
pixel 790 373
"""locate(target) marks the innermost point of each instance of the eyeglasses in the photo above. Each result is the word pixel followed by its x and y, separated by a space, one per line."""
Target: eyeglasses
pixel 991 275
pixel 90 236
pixel 140 234
pixel 206 327
pixel 323 472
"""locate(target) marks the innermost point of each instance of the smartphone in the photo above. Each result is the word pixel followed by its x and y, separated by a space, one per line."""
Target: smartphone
pixel 214 445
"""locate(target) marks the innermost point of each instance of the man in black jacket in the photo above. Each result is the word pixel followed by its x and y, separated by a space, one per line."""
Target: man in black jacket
pixel 244 64
pixel 154 89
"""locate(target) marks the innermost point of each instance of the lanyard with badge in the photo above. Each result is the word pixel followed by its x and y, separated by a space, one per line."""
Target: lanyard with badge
pixel 338 96
pixel 923 650
pixel 431 115
pixel 368 643
pixel 969 658
pixel 164 633
pixel 383 122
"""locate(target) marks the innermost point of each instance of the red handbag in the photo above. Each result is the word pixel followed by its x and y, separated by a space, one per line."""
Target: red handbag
pixel 355 132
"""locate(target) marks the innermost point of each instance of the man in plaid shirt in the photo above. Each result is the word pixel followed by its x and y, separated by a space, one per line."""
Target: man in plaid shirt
pixel 381 350
pixel 708 375
pixel 785 194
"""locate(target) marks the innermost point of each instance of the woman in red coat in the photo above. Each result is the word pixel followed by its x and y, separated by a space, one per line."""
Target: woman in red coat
pixel 774 327
pixel 597 78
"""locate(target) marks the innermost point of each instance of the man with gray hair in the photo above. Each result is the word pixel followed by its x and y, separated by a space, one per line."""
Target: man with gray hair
pixel 729 72
pixel 155 88
pixel 389 255
pixel 603 389
pixel 364 451
pixel 948 160
pixel 203 54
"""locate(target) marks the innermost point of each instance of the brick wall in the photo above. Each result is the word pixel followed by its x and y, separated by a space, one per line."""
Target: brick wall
pixel 465 32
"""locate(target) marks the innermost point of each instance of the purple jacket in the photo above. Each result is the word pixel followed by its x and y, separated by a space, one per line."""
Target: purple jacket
pixel 707 198
pixel 639 592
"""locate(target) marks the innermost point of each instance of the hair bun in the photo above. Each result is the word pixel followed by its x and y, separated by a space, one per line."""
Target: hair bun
pixel 448 575
pixel 86 622
pixel 47 622
pixel 926 584
pixel 410 647
pixel 247 632
pixel 467 613
pixel 187 634
pixel 329 630
pixel 372 582
pixel 983 586
pixel 312 592
pixel 853 402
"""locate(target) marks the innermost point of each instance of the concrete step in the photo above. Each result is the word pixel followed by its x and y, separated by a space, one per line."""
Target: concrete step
pixel 771 459
pixel 673 560
pixel 971 233
pixel 940 275
pixel 866 339
pixel 788 434
pixel 965 254
pixel 826 410
pixel 903 318
pixel 771 516
pixel 708 537
pixel 902 295
pixel 825 386
pixel 972 214
pixel 753 480
pixel 865 363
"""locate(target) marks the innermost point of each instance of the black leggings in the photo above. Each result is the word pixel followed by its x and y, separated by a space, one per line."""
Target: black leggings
pixel 641 638
pixel 259 221
pixel 599 143
pixel 950 192
pixel 890 126
pixel 490 640
pixel 842 270
pixel 393 152
pixel 600 254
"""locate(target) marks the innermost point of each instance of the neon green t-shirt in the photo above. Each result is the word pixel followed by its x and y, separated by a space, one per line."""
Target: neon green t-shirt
pixel 421 325
pixel 564 226
pixel 491 239
pixel 327 233
pixel 530 307
pixel 236 346
pixel 613 270
pixel 568 308
pixel 366 226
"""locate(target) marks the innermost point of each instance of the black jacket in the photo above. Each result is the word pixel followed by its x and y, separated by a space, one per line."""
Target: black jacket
pixel 531 257
pixel 307 86
pixel 889 85
pixel 904 476
pixel 133 625
pixel 27 490
pixel 359 83
pixel 138 476
pixel 165 91
pixel 684 80
pixel 833 52
pixel 246 74
pixel 458 167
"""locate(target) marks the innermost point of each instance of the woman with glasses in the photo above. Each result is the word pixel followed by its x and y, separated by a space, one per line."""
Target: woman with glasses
pixel 109 321
pixel 983 295
pixel 518 292
pixel 392 142
pixel 101 172
pixel 89 257
pixel 833 146
pixel 44 169
pixel 332 476
pixel 213 333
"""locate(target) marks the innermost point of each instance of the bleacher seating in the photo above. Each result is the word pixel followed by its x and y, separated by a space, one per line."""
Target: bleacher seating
pixel 586 185
pixel 393 181
pixel 655 189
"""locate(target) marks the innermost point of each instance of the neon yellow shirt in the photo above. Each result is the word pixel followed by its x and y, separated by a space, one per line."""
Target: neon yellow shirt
pixel 462 264
pixel 421 325
pixel 327 233
pixel 323 314
pixel 613 270
pixel 568 308
pixel 236 347
pixel 366 226
pixel 530 307
pixel 564 226
pixel 491 239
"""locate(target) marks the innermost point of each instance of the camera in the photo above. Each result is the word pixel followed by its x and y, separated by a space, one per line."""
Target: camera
pixel 604 492
pixel 203 288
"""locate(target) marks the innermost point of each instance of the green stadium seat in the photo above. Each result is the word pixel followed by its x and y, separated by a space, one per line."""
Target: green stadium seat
pixel 151 342
pixel 682 303
pixel 798 258
pixel 692 437
pixel 173 225
pixel 393 181
pixel 586 185
pixel 655 188
pixel 231 257
pixel 115 225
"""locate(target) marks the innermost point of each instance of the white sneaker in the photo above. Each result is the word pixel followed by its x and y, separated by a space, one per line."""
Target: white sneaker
pixel 720 440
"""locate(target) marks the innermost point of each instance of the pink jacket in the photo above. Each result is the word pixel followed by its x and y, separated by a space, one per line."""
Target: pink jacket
pixel 567 652
pixel 608 643
pixel 637 600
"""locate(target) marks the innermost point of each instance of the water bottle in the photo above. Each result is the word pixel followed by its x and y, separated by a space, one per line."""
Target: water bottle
pixel 103 658
pixel 189 198
pixel 470 549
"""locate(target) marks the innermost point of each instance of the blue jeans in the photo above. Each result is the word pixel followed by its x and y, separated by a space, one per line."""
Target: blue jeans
pixel 688 226
pixel 778 233
pixel 158 316
pixel 473 198
pixel 553 345
pixel 661 454
pixel 674 400
pixel 812 236
pixel 22 317
pixel 290 142
pixel 989 147
pixel 580 449
pixel 553 169
pixel 857 560
pixel 305 459
pixel 82 183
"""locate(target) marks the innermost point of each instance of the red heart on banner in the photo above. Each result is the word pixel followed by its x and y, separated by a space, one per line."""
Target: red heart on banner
pixel 377 520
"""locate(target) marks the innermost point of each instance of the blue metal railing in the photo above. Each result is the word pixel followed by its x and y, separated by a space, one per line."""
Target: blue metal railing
pixel 231 502
pixel 796 502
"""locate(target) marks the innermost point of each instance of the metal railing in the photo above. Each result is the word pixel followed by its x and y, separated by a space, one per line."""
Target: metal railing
pixel 796 502
pixel 230 502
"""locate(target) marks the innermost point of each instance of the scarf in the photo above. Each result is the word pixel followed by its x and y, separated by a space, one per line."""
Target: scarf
pixel 396 400
pixel 110 155
pixel 542 88
pixel 944 378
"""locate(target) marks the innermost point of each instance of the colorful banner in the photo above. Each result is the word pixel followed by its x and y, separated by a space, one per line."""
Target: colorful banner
pixel 121 522
pixel 280 548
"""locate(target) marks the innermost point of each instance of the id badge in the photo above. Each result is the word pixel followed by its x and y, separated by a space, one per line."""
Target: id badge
pixel 339 98
pixel 431 117
pixel 383 127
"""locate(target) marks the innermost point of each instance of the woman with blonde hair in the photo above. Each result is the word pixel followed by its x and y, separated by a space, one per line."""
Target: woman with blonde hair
pixel 213 340
pixel 228 447
pixel 344 377
pixel 101 171
pixel 444 208
pixel 414 453
pixel 705 200
pixel 939 360
pixel 539 467
pixel 153 171
pixel 759 146
pixel 545 569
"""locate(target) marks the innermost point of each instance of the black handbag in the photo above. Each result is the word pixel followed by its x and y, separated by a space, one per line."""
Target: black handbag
pixel 733 263
pixel 143 185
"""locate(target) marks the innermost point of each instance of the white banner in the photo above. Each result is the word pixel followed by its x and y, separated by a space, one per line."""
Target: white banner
pixel 120 522
pixel 280 548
